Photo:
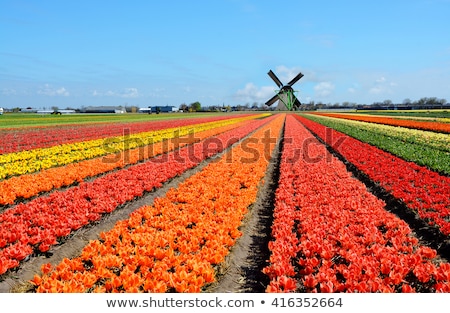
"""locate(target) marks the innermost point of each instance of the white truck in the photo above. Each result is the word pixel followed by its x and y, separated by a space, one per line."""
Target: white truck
pixel 1 111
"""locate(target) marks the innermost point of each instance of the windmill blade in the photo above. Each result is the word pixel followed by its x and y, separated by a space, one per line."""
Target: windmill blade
pixel 295 79
pixel 297 103
pixel 275 79
pixel 272 100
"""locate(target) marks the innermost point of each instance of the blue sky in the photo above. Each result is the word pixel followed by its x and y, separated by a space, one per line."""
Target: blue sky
pixel 81 53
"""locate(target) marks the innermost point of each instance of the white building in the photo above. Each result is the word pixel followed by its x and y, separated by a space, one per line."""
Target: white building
pixel 145 110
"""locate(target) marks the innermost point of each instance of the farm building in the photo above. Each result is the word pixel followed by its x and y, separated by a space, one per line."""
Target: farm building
pixel 105 109
pixel 59 112
pixel 145 110
pixel 164 109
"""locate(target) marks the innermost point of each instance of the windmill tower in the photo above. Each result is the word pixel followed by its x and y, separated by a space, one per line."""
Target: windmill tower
pixel 285 95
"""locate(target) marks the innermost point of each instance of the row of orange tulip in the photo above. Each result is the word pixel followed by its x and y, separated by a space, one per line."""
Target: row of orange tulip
pixel 174 244
pixel 29 185
pixel 37 225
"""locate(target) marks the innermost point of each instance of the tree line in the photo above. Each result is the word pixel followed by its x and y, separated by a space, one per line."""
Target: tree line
pixel 425 102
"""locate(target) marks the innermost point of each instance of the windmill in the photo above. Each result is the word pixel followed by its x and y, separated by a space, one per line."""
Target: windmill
pixel 285 94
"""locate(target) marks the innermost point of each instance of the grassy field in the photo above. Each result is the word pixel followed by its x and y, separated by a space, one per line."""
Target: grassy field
pixel 13 120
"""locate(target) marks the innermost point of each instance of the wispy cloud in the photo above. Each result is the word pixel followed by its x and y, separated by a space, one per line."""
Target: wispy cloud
pixel 382 86
pixel 253 93
pixel 48 90
pixel 324 89
pixel 124 93
pixel 9 92
pixel 322 40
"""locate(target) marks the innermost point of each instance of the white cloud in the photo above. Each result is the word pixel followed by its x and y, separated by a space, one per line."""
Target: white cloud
pixel 9 92
pixel 130 93
pixel 125 93
pixel 252 93
pixel 322 40
pixel 382 86
pixel 377 90
pixel 48 90
pixel 324 89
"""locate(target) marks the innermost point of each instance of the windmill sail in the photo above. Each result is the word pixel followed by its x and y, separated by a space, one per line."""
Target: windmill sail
pixel 275 79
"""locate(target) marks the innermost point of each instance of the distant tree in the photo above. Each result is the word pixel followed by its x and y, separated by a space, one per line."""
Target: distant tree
pixel 240 107
pixel 195 106
pixel 308 105
pixel 263 107
pixel 407 101
pixel 319 105
pixel 184 107
pixel 131 109
pixel 422 101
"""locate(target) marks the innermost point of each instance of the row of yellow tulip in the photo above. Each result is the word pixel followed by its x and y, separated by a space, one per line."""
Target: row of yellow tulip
pixel 431 139
pixel 29 185
pixel 31 161
pixel 415 118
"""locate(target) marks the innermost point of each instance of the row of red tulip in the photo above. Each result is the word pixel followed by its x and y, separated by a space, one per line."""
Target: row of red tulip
pixel 39 223
pixel 173 245
pixel 422 190
pixel 14 140
pixel 332 235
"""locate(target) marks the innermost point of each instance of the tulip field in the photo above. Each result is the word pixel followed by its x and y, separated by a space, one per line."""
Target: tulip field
pixel 357 203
